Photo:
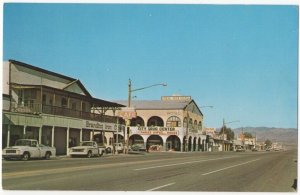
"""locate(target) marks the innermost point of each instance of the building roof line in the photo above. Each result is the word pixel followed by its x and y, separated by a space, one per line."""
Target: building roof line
pixel 72 80
pixel 41 70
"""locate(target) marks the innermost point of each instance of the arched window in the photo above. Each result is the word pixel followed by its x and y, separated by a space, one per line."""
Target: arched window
pixel 138 121
pixel 195 124
pixel 155 121
pixel 200 126
pixel 191 123
pixel 173 121
pixel 184 122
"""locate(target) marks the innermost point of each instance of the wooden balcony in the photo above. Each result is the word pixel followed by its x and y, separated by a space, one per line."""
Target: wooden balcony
pixel 33 108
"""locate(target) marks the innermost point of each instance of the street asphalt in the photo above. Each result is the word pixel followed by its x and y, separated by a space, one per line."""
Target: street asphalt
pixel 159 171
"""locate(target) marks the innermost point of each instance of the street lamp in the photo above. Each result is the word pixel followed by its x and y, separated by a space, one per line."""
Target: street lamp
pixel 223 129
pixel 130 90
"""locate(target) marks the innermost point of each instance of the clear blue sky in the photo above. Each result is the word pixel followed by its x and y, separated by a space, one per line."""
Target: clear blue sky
pixel 243 60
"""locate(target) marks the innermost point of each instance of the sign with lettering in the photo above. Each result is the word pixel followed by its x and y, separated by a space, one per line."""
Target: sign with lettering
pixel 176 98
pixel 174 113
pixel 157 131
pixel 99 126
pixel 156 128
pixel 127 113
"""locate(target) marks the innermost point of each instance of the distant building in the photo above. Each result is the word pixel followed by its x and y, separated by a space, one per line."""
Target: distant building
pixel 56 110
pixel 174 123
pixel 247 142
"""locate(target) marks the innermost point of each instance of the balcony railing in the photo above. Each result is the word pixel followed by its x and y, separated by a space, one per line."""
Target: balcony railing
pixel 61 111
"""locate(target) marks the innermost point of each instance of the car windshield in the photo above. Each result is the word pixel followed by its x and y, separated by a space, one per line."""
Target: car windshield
pixel 86 144
pixel 23 142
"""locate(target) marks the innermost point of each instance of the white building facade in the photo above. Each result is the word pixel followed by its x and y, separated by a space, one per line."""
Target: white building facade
pixel 174 123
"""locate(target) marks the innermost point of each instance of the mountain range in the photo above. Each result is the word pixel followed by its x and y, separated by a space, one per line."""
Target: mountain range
pixel 283 135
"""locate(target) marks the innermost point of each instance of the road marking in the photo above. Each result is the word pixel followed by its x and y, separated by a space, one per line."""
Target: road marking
pixel 45 171
pixel 169 165
pixel 229 167
pixel 159 187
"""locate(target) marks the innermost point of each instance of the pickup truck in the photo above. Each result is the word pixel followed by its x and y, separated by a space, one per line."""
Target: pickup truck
pixel 88 149
pixel 28 148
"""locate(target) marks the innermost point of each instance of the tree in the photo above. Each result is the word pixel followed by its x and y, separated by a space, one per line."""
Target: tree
pixel 228 132
pixel 268 143
pixel 248 135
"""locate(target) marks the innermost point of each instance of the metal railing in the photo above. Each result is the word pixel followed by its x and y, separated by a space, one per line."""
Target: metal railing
pixel 34 108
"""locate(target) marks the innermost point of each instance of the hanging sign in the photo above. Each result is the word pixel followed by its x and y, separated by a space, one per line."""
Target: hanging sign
pixel 127 113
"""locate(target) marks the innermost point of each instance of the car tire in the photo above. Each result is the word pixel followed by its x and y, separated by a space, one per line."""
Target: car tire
pixel 108 150
pixel 26 156
pixel 47 155
pixel 89 154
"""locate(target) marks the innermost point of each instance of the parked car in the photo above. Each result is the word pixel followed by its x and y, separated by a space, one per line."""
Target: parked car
pixel 28 148
pixel 240 149
pixel 137 147
pixel 254 150
pixel 88 149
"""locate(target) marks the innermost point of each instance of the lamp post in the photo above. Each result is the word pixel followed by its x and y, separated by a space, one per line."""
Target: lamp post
pixel 223 129
pixel 130 90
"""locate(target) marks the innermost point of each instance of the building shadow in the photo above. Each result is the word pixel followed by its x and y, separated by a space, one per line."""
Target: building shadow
pixel 295 184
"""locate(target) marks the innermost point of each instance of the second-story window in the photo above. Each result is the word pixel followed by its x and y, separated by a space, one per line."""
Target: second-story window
pixel 64 102
pixel 44 99
pixel 185 122
pixel 200 126
pixel 155 121
pixel 173 121
pixel 83 107
pixel 191 123
pixel 74 106
pixel 20 96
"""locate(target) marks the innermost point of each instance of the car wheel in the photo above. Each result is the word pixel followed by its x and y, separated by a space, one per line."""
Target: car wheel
pixel 26 156
pixel 108 150
pixel 47 156
pixel 89 154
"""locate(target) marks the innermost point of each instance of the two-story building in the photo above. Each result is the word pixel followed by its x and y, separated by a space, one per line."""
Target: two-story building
pixel 174 123
pixel 55 109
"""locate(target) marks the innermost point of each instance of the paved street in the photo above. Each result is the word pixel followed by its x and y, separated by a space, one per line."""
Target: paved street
pixel 229 171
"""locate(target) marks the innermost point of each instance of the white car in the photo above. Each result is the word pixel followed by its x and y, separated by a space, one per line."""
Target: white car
pixel 28 148
pixel 88 149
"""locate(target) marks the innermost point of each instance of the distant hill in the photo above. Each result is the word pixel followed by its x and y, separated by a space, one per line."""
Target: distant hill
pixel 288 135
